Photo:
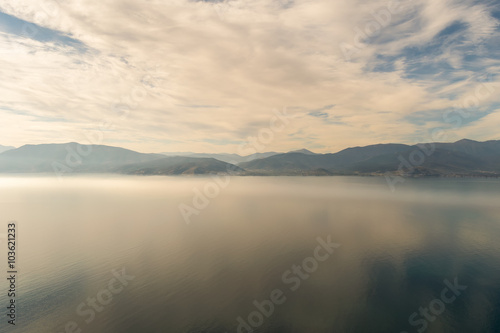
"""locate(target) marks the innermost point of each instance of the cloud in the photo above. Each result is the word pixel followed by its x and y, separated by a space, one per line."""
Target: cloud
pixel 205 75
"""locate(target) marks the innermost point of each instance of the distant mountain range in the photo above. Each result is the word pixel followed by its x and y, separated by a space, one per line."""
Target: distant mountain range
pixel 76 158
pixel 462 158
pixel 228 158
pixel 5 148
pixel 180 165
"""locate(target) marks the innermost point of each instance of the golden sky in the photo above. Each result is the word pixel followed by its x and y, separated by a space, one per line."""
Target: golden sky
pixel 207 76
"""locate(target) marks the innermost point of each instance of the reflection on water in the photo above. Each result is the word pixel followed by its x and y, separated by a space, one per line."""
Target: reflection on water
pixel 399 253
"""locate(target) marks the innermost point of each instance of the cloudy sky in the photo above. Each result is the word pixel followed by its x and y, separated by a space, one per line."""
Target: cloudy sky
pixel 207 76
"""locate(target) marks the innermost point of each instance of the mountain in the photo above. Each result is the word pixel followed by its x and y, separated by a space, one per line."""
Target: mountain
pixel 70 157
pixel 303 151
pixel 221 157
pixel 464 157
pixel 461 158
pixel 484 150
pixel 296 161
pixel 76 158
pixel 257 156
pixel 180 165
pixel 5 148
pixel 228 158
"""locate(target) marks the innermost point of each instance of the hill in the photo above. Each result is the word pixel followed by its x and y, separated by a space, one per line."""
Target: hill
pixel 179 165
pixel 5 148
pixel 72 157
pixel 462 158
pixel 228 158
pixel 76 158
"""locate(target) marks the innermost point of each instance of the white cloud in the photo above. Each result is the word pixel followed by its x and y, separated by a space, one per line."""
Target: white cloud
pixel 242 58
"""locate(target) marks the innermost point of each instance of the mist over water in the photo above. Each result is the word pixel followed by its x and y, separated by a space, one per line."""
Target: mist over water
pixel 398 250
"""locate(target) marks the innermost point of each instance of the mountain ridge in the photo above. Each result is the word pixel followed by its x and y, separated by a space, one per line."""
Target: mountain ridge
pixel 225 157
pixel 461 158
pixel 5 148
pixel 73 157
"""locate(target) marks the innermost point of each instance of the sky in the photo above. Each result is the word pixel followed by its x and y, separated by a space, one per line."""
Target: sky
pixel 240 76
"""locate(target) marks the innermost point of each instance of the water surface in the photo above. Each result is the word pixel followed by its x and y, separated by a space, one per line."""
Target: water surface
pixel 398 252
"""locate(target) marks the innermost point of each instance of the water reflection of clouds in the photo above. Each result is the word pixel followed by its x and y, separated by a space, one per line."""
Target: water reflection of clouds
pixel 394 257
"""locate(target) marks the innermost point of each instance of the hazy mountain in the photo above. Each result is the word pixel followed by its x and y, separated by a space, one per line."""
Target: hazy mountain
pixel 69 157
pixel 303 151
pixel 73 157
pixel 464 157
pixel 5 148
pixel 488 151
pixel 220 157
pixel 229 158
pixel 295 161
pixel 177 165
pixel 257 156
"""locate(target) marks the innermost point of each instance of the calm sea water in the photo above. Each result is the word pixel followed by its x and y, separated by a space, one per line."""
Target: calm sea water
pixel 115 255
